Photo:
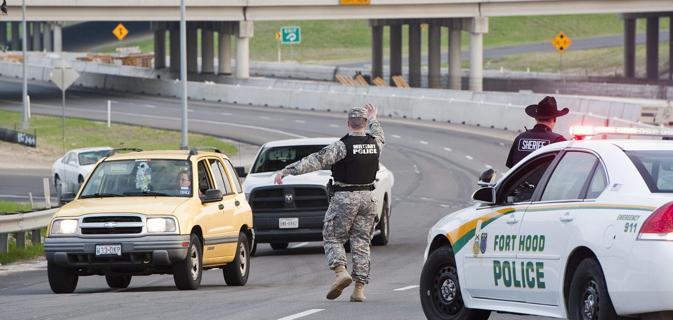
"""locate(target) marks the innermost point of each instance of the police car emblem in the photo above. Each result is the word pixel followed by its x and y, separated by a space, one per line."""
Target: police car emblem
pixel 482 242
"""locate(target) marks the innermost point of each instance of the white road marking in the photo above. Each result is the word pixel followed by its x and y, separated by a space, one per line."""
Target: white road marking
pixel 225 113
pixel 502 144
pixel 445 205
pixel 396 136
pixel 406 288
pixel 334 125
pixel 416 169
pixel 423 142
pixel 425 199
pixel 264 117
pixel 298 245
pixel 488 166
pixel 469 157
pixel 190 110
pixel 151 106
pixel 448 149
pixel 301 314
pixel 299 121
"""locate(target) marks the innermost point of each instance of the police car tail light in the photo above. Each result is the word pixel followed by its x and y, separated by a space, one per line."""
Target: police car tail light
pixel 659 226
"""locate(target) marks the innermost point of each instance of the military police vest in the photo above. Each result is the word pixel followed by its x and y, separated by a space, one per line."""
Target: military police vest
pixel 361 162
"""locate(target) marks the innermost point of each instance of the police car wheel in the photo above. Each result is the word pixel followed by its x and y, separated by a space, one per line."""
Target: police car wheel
pixel 118 281
pixel 187 273
pixel 589 298
pixel 440 289
pixel 61 280
pixel 236 272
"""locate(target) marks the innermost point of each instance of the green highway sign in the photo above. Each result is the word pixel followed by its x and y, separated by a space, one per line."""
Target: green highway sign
pixel 290 35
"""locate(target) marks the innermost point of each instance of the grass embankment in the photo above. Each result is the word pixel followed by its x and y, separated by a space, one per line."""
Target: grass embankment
pixel 13 207
pixel 350 40
pixel 29 252
pixel 81 133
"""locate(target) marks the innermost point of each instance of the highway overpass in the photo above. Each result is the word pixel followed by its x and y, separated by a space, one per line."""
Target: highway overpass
pixel 235 18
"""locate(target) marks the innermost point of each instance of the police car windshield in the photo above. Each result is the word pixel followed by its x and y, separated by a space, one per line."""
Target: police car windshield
pixel 656 168
pixel 276 158
pixel 140 177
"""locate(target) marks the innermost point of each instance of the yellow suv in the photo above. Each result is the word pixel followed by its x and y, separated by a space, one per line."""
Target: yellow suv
pixel 154 212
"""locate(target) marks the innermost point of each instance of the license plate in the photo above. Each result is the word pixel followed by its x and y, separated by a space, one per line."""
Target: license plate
pixel 288 223
pixel 108 250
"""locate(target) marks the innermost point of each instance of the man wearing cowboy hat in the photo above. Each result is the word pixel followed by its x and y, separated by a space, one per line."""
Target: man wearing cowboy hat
pixel 545 113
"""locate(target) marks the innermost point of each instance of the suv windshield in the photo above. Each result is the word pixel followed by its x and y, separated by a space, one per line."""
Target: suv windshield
pixel 276 158
pixel 140 177
pixel 91 157
pixel 656 168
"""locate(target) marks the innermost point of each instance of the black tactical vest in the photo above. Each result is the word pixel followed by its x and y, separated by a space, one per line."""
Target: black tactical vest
pixel 360 164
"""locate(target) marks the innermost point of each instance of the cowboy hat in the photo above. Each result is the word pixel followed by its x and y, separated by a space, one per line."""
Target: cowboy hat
pixel 546 109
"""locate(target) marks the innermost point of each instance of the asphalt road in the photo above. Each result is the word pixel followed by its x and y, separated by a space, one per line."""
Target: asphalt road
pixel 435 171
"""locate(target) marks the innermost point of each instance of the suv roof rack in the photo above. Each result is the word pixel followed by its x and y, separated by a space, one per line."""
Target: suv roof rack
pixel 116 150
pixel 195 150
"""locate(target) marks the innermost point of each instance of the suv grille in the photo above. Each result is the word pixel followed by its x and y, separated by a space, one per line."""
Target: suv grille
pixel 277 198
pixel 113 224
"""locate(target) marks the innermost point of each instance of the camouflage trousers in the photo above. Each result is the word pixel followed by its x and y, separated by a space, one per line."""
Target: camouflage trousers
pixel 350 216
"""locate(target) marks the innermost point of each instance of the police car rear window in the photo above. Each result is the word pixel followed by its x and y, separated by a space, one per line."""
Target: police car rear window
pixel 656 168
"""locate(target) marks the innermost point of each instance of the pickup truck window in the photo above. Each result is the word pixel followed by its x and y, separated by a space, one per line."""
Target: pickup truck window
pixel 276 158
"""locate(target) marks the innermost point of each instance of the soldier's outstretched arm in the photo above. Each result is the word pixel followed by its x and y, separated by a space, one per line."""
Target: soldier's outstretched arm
pixel 375 128
pixel 326 157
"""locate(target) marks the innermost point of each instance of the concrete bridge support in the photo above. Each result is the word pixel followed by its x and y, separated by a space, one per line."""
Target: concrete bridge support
pixel 652 43
pixel 652 48
pixel 377 49
pixel 58 36
pixel 629 47
pixel 455 74
pixel 477 27
pixel 16 39
pixel 224 49
pixel 415 54
pixel 434 55
pixel 36 34
pixel 47 35
pixel 159 45
pixel 192 48
pixel 174 47
pixel 395 51
pixel 207 49
pixel 3 34
pixel 245 32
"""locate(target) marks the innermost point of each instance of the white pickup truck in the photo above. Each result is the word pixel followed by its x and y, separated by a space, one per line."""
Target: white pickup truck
pixel 294 211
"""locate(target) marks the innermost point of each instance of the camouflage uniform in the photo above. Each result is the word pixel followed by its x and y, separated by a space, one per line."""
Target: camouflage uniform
pixel 350 215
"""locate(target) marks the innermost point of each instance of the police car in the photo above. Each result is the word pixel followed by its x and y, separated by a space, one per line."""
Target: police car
pixel 577 229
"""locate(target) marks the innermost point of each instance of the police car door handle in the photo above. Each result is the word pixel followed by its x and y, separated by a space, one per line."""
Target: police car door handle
pixel 512 220
pixel 566 217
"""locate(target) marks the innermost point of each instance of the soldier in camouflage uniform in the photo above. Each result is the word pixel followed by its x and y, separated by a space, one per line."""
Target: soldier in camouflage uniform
pixel 352 210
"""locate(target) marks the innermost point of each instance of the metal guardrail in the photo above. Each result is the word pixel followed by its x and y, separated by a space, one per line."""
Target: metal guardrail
pixel 19 224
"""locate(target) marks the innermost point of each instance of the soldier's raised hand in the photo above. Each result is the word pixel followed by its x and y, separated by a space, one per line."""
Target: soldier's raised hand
pixel 371 111
pixel 279 177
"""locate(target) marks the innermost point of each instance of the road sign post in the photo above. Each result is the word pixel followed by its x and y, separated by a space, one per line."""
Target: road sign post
pixel 63 76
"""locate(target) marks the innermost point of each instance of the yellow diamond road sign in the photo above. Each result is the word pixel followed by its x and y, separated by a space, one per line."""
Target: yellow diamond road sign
pixel 120 31
pixel 561 42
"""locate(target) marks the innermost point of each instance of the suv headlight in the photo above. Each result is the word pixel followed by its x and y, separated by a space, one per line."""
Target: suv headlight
pixel 64 226
pixel 156 225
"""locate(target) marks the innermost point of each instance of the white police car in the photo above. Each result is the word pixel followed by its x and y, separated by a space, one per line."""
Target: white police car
pixel 578 229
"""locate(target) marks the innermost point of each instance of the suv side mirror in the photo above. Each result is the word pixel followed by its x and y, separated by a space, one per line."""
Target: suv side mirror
pixel 66 197
pixel 484 195
pixel 240 171
pixel 486 178
pixel 212 195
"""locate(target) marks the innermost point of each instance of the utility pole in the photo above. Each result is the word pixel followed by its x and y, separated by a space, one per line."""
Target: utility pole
pixel 183 73
pixel 24 123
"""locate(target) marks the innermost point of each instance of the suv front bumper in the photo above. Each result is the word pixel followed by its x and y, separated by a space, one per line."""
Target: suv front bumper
pixel 80 252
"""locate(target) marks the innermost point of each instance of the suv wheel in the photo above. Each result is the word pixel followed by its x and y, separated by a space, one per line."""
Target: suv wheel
pixel 440 289
pixel 187 273
pixel 589 297
pixel 236 273
pixel 118 281
pixel 384 227
pixel 61 280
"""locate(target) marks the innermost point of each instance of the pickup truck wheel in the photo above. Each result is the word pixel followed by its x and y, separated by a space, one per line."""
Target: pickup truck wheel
pixel 253 249
pixel 589 297
pixel 187 273
pixel 118 281
pixel 279 245
pixel 384 227
pixel 236 273
pixel 61 280
pixel 440 289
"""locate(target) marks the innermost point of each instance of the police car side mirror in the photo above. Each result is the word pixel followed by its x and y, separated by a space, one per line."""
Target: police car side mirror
pixel 486 178
pixel 67 197
pixel 240 171
pixel 484 195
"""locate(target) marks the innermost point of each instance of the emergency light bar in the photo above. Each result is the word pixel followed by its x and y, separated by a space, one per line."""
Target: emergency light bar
pixel 580 132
